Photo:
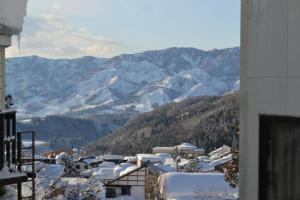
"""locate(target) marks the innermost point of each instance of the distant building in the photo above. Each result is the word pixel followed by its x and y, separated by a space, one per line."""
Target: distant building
pixel 184 149
pixel 83 164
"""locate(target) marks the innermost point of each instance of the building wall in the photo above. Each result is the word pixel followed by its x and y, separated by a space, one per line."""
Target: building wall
pixel 81 164
pixel 270 76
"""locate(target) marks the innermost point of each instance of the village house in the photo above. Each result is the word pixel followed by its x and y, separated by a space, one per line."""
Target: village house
pixel 83 164
pixel 139 181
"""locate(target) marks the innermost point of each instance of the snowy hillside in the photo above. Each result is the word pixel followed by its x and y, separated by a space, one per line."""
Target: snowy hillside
pixel 125 83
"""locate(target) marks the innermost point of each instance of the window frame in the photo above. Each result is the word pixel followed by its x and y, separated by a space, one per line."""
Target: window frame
pixel 264 135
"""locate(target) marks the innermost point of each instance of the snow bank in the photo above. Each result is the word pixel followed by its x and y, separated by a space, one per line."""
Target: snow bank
pixel 182 186
pixel 12 13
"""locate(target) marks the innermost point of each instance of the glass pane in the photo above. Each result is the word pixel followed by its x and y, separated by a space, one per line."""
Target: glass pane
pixel 283 161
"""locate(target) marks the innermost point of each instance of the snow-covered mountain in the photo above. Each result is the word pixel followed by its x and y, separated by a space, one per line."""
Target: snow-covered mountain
pixel 125 83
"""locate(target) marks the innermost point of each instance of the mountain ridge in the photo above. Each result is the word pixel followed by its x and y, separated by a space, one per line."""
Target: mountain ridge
pixel 128 83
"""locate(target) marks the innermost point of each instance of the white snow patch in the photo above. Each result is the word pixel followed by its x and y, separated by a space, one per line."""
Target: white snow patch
pixel 183 186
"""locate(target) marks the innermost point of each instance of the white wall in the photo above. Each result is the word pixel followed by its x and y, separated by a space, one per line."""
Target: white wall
pixel 270 76
pixel 138 192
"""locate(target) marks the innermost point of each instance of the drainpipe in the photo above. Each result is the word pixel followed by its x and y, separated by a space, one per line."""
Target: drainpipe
pixel 5 41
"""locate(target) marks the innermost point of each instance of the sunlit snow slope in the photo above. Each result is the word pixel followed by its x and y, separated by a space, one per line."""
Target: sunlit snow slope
pixel 125 83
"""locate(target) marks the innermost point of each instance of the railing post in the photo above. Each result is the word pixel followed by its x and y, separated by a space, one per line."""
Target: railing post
pixel 13 131
pixel 33 165
pixel 19 154
pixel 1 142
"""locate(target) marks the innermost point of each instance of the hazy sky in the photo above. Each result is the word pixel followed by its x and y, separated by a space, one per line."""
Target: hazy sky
pixel 105 28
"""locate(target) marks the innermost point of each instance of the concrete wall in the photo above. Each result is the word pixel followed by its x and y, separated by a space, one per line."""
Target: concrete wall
pixel 270 76
pixel 2 78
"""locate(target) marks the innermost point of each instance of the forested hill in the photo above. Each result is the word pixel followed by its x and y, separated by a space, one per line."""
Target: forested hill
pixel 208 122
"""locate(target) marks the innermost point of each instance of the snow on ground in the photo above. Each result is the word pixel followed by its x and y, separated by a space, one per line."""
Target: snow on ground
pixel 10 193
pixel 187 186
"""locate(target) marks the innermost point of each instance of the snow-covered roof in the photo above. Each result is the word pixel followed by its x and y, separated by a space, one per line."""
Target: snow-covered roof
pixel 184 186
pixel 150 158
pixel 130 158
pixel 186 146
pixel 50 171
pixel 164 155
pixel 220 151
pixel 12 13
pixel 113 157
pixel 165 168
pixel 206 167
pixel 88 160
pixel 199 150
pixel 163 149
pixel 105 174
pixel 128 170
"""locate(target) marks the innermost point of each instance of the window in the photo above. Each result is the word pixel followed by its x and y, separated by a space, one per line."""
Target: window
pixel 279 175
pixel 126 190
pixel 77 166
pixel 86 167
pixel 110 193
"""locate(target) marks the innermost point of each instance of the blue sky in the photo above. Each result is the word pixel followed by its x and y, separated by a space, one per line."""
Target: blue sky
pixel 105 28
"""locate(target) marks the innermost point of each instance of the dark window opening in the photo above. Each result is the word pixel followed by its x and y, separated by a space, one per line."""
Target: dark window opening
pixel 126 191
pixel 86 167
pixel 77 166
pixel 110 193
pixel 279 158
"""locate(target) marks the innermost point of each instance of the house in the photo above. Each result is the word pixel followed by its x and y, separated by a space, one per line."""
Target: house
pixel 183 186
pixel 139 182
pixel 269 96
pixel 83 164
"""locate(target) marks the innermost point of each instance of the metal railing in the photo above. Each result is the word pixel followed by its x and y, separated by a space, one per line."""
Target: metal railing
pixel 11 153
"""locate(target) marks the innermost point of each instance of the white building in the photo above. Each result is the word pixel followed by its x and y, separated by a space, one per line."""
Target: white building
pixel 270 110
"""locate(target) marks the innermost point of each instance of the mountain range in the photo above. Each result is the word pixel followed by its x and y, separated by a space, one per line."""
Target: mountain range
pixel 129 83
